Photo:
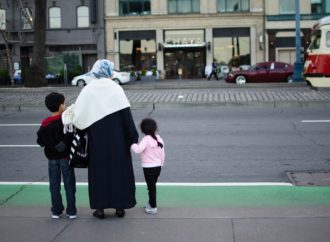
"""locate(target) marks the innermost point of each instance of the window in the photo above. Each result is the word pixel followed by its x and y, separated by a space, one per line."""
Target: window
pixel 287 6
pixel 232 46
pixel 26 18
pixel 83 17
pixel 316 6
pixel 138 50
pixel 233 5
pixel 134 7
pixel 316 39
pixel 54 17
pixel 183 6
pixel 2 19
pixel 327 39
pixel 320 6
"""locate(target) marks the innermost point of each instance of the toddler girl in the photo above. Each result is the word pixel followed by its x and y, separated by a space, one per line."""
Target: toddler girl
pixel 151 150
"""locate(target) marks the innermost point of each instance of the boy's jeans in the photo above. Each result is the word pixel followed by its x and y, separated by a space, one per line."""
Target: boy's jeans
pixel 54 169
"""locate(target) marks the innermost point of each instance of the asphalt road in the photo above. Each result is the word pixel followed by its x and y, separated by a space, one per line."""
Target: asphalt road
pixel 204 143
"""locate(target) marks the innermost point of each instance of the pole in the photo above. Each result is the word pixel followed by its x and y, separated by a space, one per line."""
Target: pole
pixel 298 65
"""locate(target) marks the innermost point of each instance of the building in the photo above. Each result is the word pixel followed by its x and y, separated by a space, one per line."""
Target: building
pixel 74 34
pixel 179 38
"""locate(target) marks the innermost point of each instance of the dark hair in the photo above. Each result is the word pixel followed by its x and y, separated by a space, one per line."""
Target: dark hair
pixel 53 101
pixel 149 127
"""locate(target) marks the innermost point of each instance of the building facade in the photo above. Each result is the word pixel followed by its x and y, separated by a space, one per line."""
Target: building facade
pixel 74 34
pixel 179 38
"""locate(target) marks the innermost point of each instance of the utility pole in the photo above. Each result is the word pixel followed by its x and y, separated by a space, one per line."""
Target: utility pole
pixel 298 65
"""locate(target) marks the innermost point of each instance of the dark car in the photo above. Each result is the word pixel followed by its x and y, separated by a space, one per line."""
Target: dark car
pixel 263 72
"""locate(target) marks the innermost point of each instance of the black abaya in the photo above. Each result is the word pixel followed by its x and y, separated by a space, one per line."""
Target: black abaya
pixel 110 172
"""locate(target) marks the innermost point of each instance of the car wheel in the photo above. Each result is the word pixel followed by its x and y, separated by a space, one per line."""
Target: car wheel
pixel 290 78
pixel 81 83
pixel 240 79
pixel 117 81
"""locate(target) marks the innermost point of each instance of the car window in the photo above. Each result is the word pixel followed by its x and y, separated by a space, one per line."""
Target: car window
pixel 280 65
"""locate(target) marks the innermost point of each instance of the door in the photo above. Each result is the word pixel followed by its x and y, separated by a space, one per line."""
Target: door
pixel 184 63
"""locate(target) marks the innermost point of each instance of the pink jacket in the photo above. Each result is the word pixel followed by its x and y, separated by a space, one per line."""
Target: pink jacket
pixel 151 154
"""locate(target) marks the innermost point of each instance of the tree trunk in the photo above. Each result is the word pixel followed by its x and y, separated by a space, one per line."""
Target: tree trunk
pixel 9 56
pixel 36 74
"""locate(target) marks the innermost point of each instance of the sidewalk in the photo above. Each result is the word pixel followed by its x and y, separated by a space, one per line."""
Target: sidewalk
pixel 194 213
pixel 182 92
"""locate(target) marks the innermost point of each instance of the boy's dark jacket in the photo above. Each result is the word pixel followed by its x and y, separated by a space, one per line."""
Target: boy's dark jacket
pixel 51 136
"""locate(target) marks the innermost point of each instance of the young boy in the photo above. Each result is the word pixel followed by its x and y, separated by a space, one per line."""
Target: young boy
pixel 57 148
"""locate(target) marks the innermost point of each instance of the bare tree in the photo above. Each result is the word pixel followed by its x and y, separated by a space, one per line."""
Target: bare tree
pixel 36 73
pixel 6 37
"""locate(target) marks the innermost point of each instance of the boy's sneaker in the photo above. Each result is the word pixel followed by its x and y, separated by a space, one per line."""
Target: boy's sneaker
pixel 56 216
pixel 150 210
pixel 71 216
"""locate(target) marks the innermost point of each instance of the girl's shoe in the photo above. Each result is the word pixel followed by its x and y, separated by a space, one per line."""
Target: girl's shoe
pixel 150 210
pixel 120 213
pixel 99 213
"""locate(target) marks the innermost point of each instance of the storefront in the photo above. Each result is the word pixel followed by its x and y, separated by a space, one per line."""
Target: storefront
pixel 184 53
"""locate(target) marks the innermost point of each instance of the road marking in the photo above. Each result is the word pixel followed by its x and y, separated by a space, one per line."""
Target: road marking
pixel 16 125
pixel 174 184
pixel 315 121
pixel 19 146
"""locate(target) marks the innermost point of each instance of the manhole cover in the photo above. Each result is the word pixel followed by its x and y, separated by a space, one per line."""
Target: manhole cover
pixel 310 178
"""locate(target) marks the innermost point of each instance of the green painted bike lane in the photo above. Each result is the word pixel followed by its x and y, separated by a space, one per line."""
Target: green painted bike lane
pixel 184 196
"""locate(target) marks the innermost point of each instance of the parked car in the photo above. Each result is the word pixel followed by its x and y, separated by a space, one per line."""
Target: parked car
pixel 263 72
pixel 118 77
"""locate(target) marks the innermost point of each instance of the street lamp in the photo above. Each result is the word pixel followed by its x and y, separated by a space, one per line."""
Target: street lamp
pixel 298 65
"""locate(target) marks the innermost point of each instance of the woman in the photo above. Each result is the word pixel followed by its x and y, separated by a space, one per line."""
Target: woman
pixel 104 111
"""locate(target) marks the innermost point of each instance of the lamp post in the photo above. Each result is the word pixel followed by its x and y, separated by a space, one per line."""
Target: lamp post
pixel 298 65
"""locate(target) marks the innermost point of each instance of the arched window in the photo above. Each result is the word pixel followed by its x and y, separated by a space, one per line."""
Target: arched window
pixel 83 17
pixel 54 17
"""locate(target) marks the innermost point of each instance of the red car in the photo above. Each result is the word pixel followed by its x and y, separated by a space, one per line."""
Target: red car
pixel 263 72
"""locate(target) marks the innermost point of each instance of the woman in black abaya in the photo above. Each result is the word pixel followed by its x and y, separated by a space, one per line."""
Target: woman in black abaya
pixel 104 111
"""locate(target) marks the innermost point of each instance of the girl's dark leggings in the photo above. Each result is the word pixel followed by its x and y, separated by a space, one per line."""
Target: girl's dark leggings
pixel 151 176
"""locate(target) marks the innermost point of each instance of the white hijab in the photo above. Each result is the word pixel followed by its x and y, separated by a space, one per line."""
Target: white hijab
pixel 98 99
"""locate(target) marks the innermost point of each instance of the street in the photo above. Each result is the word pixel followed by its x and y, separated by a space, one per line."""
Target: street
pixel 204 143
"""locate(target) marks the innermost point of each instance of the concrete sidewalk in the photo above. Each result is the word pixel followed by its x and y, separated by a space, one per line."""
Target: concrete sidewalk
pixel 229 214
pixel 182 92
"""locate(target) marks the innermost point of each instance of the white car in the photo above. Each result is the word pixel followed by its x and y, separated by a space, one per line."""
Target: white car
pixel 118 77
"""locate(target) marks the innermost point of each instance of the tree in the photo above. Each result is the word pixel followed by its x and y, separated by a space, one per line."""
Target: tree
pixel 36 74
pixel 5 35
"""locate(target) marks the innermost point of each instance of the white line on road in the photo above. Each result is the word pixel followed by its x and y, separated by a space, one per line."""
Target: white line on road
pixel 16 125
pixel 315 121
pixel 175 184
pixel 18 146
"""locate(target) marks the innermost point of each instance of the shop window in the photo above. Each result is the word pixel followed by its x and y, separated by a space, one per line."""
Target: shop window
pixel 183 6
pixel 287 6
pixel 54 17
pixel 138 55
pixel 26 18
pixel 134 7
pixel 2 19
pixel 83 17
pixel 232 47
pixel 233 5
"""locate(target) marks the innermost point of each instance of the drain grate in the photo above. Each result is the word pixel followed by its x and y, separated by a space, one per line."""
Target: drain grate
pixel 310 178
